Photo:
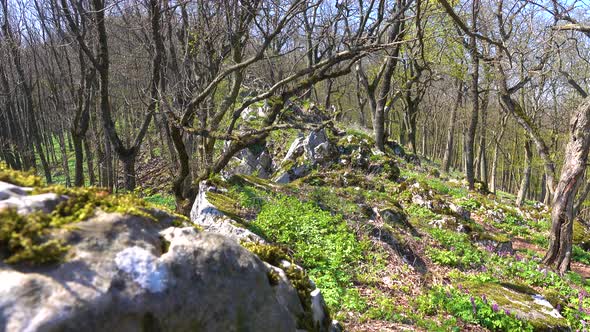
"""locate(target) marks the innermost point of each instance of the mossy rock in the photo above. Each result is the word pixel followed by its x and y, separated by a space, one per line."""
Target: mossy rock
pixel 581 232
pixel 28 238
pixel 18 178
pixel 521 301
pixel 226 204
pixel 272 254
pixel 251 180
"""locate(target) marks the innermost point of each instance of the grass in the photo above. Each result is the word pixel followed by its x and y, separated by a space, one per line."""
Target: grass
pixel 162 200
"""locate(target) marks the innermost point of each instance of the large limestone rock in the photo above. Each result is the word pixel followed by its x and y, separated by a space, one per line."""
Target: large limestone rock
pixel 208 216
pixel 128 273
pixel 144 273
pixel 303 154
pixel 205 214
pixel 253 160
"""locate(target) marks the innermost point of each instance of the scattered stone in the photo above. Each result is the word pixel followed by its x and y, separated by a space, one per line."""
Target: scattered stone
pixel 446 222
pixel 463 228
pixel 394 217
pixel 460 211
pixel 397 149
pixel 524 303
pixel 292 174
pixel 504 248
pixel 366 210
pixel 295 150
pixel 252 160
pixel 12 196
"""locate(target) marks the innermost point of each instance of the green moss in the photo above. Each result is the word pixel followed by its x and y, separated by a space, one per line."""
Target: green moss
pixel 581 233
pixel 226 204
pixel 518 299
pixel 273 277
pixel 23 179
pixel 24 238
pixel 269 253
pixel 27 238
pixel 250 180
pixel 303 286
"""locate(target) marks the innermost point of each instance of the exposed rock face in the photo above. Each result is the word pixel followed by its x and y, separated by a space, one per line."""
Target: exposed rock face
pixel 126 273
pixel 292 173
pixel 208 216
pixel 355 151
pixel 523 303
pixel 318 148
pixel 141 273
pixel 397 149
pixel 460 211
pixel 12 196
pixel 252 161
pixel 205 214
pixel 303 154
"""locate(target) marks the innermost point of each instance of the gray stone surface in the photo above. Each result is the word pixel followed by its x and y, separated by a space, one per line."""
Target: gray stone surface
pixel 19 198
pixel 121 275
pixel 211 219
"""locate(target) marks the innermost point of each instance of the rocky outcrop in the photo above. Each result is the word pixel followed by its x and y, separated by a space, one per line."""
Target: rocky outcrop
pixel 255 160
pixel 146 272
pixel 213 220
pixel 19 198
pixel 123 274
pixel 523 303
pixel 305 153
pixel 208 216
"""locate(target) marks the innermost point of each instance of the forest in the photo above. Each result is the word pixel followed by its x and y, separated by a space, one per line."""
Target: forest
pixel 460 129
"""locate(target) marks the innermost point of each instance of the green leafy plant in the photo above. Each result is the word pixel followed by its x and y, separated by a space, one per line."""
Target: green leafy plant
pixel 469 309
pixel 322 242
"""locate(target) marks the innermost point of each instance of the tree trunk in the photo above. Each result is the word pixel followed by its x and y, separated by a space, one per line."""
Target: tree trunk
pixel 474 91
pixel 483 159
pixel 498 139
pixel 451 129
pixel 129 172
pixel 64 158
pixel 396 34
pixel 562 215
pixel 89 163
pixel 526 174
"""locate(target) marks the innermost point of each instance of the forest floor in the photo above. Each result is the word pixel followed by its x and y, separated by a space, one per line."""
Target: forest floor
pixel 427 254
pixel 420 253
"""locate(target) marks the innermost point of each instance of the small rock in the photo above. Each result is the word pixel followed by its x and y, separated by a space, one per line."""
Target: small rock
pixel 504 248
pixel 460 211
pixel 16 197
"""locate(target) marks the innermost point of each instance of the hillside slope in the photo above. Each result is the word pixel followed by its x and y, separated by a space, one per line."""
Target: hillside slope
pixel 411 249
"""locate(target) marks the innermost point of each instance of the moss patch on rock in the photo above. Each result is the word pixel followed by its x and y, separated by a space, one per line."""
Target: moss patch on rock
pixel 28 237
pixel 518 300
pixel 23 179
pixel 271 254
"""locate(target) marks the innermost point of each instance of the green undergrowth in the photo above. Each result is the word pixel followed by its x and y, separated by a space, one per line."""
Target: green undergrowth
pixel 320 241
pixel 470 309
pixel 457 251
